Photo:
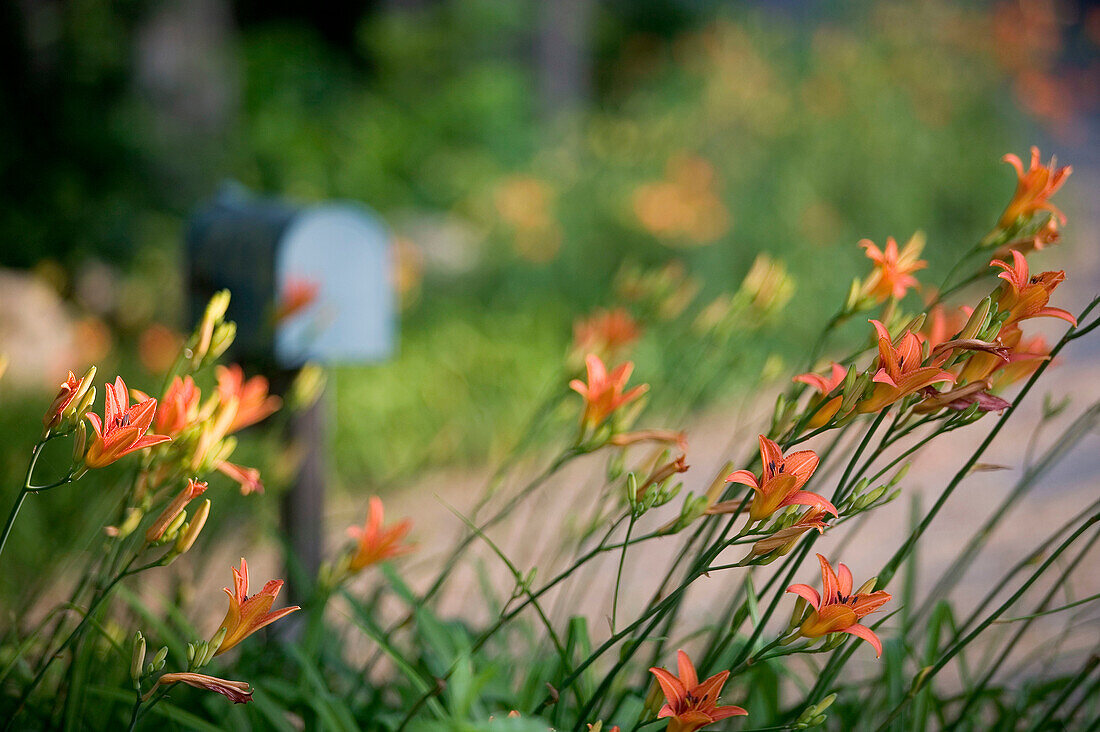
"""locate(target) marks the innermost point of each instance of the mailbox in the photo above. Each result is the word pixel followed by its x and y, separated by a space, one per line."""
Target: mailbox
pixel 308 283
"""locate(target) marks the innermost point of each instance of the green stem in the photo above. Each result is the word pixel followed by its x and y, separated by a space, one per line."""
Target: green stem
pixel 619 573
pixel 22 493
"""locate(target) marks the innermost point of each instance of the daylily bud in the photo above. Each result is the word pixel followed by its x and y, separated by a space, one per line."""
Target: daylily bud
pixel 307 387
pixel 81 399
pixel 218 637
pixel 217 307
pixel 867 587
pixel 133 518
pixel 137 658
pixel 169 518
pixel 796 615
pixel 824 704
pixel 976 323
pixel 158 660
pixel 86 402
pixel 204 333
pixel 80 443
pixel 915 324
pixel 213 646
pixel 900 475
pixel 174 526
pixel 224 335
pixel 631 489
pixel 187 537
pixel 190 654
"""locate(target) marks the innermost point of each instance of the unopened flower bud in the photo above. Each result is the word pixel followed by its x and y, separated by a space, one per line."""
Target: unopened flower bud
pixel 158 660
pixel 224 335
pixel 307 387
pixel 216 641
pixel 900 475
pixel 173 527
pixel 976 323
pixel 137 658
pixel 187 537
pixel 80 443
pixel 868 586
pixel 170 516
pixel 796 615
pixel 824 704
pixel 81 400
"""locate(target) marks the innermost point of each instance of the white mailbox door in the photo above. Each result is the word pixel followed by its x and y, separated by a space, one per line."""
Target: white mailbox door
pixel 334 294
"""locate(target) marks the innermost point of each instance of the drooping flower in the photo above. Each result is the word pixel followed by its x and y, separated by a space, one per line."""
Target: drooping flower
pixel 779 485
pixel 239 692
pixel 837 609
pixel 785 539
pixel 1034 187
pixel 605 332
pixel 691 705
pixel 603 394
pixel 892 275
pixel 193 490
pixel 179 408
pixel 824 386
pixel 248 400
pixel 247 478
pixel 72 391
pixel 1025 296
pixel 900 372
pixel 248 614
pixel 123 427
pixel 376 544
pixel 660 473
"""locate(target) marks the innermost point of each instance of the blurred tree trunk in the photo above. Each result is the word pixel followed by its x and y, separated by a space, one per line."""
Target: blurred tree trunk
pixel 563 55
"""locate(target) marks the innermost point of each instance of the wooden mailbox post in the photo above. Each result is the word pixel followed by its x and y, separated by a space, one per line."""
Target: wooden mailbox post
pixel 329 265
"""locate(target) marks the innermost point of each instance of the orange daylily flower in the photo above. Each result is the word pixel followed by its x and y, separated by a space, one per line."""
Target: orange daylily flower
pixel 247 614
pixel 1025 296
pixel 692 705
pixel 123 427
pixel 239 692
pixel 900 372
pixel 248 400
pixel 836 609
pixel 179 408
pixel 1023 359
pixel 247 478
pixel 605 332
pixel 603 394
pixel 375 543
pixel 892 275
pixel 780 483
pixel 785 539
pixel 72 389
pixel 1034 188
pixel 825 386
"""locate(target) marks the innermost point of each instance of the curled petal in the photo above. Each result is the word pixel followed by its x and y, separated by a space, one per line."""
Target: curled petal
pixel 809 594
pixel 862 631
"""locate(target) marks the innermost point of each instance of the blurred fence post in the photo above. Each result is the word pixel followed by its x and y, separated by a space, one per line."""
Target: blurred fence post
pixel 563 54
pixel 302 507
